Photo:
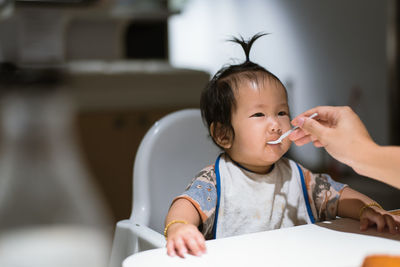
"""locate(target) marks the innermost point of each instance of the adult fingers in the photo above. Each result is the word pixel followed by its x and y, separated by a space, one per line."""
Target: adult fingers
pixel 302 141
pixel 297 134
pixel 318 143
pixel 314 128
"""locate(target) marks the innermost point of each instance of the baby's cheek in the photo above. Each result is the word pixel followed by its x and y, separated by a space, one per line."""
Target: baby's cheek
pixel 286 143
pixel 285 123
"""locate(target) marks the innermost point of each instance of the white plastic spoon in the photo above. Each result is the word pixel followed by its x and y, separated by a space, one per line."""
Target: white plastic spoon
pixel 283 136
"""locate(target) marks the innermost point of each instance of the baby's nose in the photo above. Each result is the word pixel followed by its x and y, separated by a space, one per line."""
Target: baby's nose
pixel 277 130
pixel 274 126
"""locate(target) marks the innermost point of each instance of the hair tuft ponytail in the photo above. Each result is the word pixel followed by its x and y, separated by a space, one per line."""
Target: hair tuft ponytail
pixel 246 45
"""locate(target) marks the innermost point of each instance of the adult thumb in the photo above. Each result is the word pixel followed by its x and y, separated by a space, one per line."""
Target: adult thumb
pixel 313 127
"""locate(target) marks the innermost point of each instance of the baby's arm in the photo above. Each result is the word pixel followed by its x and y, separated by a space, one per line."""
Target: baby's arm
pixel 184 238
pixel 351 203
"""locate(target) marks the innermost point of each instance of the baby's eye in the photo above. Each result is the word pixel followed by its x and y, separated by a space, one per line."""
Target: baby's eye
pixel 282 113
pixel 258 114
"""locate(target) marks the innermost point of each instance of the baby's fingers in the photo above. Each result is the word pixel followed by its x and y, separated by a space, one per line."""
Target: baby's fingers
pixel 193 246
pixel 393 228
pixel 202 243
pixel 364 223
pixel 180 247
pixel 380 223
pixel 371 217
pixel 171 248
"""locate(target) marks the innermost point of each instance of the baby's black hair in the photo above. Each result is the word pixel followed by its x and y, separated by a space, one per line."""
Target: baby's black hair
pixel 218 99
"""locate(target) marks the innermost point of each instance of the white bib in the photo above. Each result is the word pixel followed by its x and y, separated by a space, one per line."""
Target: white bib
pixel 249 202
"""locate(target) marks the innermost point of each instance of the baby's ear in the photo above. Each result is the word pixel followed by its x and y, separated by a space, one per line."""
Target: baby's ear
pixel 221 135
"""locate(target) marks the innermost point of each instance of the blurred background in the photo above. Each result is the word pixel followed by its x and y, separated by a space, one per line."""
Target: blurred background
pixel 88 78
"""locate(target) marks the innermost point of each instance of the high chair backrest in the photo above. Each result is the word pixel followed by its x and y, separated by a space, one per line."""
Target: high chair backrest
pixel 172 152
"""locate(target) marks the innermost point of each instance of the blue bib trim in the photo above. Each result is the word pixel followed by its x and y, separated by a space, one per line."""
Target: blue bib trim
pixel 305 194
pixel 218 196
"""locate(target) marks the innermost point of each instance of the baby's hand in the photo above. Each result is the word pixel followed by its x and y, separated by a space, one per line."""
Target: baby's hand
pixel 185 238
pixel 381 218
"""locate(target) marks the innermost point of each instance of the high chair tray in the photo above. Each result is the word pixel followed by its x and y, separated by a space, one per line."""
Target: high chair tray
pixel 332 243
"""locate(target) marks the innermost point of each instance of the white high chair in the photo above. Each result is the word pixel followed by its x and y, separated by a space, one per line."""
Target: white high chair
pixel 171 153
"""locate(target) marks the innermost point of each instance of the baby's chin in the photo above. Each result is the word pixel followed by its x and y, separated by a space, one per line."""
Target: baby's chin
pixel 272 158
pixel 269 159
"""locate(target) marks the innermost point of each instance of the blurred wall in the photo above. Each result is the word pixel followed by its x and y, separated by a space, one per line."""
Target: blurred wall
pixel 326 52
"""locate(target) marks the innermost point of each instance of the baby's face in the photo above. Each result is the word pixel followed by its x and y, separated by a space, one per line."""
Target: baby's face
pixel 261 115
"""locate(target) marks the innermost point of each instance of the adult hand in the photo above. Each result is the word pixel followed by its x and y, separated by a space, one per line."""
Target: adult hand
pixel 338 129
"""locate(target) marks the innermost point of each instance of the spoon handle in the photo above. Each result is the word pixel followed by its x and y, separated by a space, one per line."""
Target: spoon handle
pixel 294 128
pixel 287 133
pixel 283 136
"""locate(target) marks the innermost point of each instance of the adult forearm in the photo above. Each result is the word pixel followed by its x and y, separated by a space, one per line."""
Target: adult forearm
pixel 379 162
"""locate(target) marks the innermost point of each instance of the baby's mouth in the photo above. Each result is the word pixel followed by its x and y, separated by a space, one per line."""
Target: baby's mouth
pixel 271 139
pixel 274 144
